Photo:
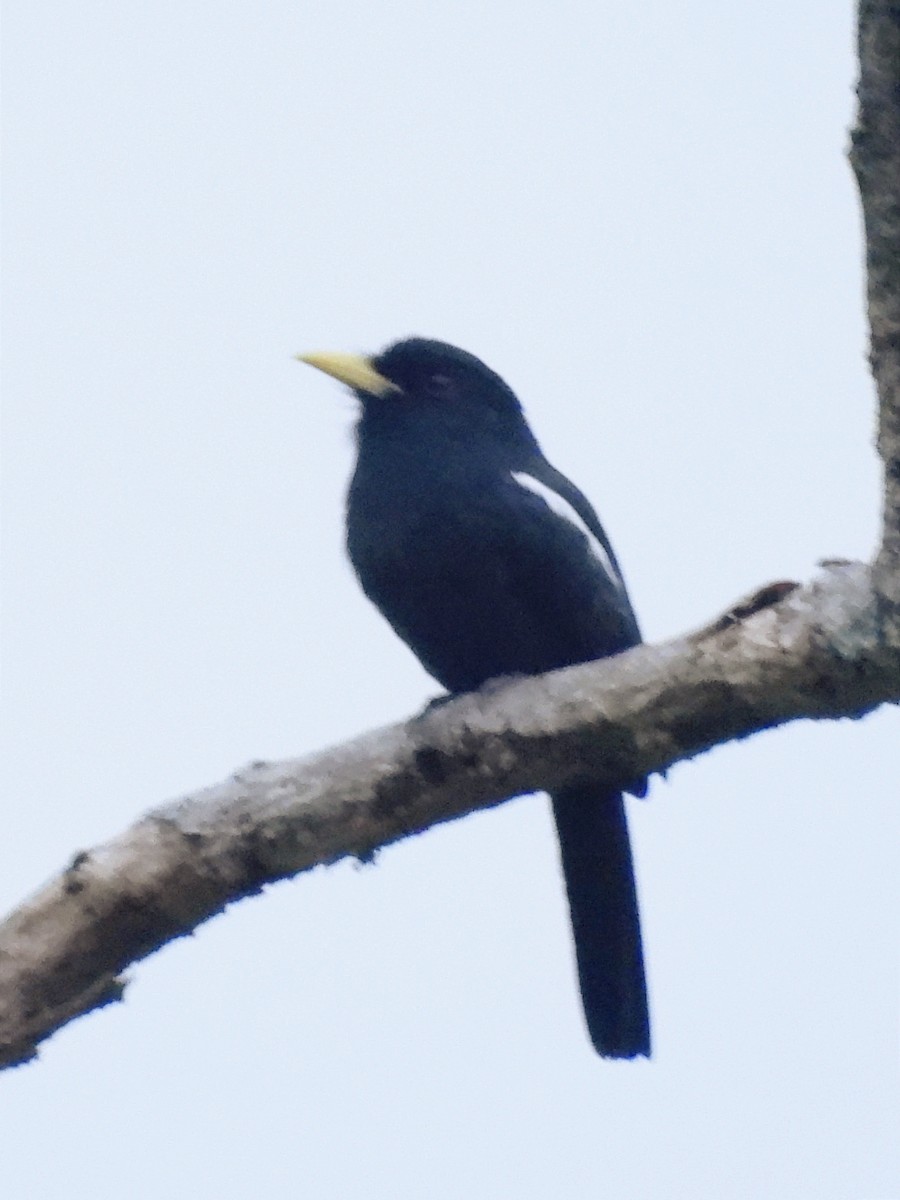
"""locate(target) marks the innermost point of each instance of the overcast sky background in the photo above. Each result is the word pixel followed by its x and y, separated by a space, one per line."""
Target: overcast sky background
pixel 642 217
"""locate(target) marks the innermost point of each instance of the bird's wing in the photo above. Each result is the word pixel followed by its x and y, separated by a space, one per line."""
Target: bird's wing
pixel 556 522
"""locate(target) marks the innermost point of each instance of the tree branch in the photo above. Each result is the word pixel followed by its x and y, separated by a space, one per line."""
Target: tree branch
pixel 828 650
pixel 875 156
pixel 814 653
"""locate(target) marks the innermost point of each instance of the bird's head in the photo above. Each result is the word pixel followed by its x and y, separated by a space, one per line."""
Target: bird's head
pixel 432 388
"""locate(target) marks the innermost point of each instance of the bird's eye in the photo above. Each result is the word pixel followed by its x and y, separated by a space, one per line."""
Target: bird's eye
pixel 439 385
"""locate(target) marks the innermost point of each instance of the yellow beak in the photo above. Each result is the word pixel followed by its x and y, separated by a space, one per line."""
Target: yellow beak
pixel 353 370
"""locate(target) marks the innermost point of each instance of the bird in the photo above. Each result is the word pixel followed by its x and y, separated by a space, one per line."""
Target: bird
pixel 488 562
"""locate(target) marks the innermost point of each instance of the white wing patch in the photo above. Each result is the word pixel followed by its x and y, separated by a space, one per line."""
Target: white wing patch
pixel 559 505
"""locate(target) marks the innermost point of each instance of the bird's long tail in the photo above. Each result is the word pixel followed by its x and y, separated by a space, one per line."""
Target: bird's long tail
pixel 596 862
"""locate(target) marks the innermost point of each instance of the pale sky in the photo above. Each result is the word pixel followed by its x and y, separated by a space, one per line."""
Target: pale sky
pixel 642 217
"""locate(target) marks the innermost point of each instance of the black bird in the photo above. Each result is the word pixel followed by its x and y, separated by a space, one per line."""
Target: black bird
pixel 488 562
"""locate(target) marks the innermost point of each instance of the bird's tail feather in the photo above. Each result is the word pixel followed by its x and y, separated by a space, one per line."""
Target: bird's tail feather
pixel 596 862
